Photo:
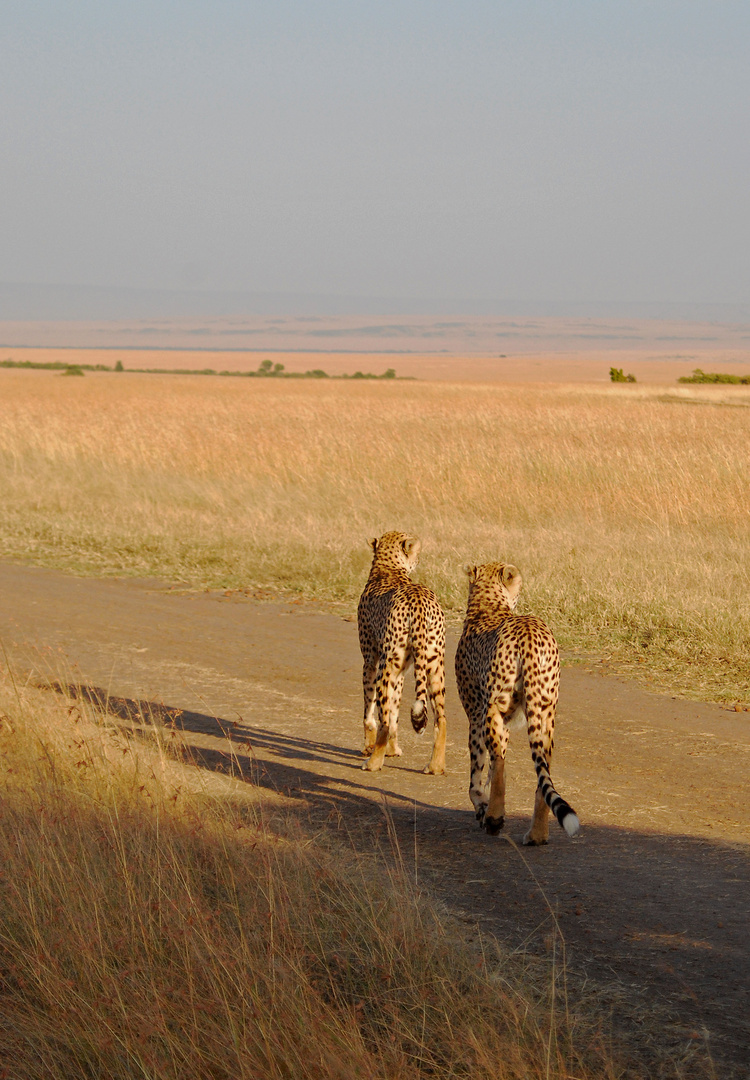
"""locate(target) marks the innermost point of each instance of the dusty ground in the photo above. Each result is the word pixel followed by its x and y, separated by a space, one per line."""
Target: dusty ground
pixel 653 901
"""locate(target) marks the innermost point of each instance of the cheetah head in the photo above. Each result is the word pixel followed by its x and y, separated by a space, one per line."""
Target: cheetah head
pixel 494 584
pixel 396 549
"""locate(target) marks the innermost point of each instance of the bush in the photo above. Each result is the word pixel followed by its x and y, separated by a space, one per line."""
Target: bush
pixel 617 375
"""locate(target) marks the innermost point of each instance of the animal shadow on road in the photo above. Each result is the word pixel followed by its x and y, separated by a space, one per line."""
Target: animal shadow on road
pixel 664 918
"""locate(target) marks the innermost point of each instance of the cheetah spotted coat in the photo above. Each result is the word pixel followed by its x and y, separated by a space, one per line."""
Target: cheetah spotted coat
pixel 400 622
pixel 508 665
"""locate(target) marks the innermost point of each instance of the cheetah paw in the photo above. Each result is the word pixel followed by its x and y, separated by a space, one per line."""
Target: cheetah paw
pixel 529 841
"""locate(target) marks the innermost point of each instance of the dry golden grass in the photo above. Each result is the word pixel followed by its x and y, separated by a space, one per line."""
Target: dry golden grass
pixel 625 507
pixel 155 923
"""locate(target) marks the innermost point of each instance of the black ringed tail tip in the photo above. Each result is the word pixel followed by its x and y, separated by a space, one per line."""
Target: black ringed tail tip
pixel 418 717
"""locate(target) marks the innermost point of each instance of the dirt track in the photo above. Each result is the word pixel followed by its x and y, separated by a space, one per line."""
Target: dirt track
pixel 654 900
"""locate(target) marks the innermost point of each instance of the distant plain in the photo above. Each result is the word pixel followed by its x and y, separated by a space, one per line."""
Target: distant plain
pixel 473 349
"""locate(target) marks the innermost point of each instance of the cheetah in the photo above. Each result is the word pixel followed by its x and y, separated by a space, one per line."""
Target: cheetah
pixel 400 622
pixel 508 666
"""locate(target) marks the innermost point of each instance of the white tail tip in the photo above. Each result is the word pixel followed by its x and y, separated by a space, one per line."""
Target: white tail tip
pixel 572 825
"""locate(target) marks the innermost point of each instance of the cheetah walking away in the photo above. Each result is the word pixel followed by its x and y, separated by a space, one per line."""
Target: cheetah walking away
pixel 400 622
pixel 508 665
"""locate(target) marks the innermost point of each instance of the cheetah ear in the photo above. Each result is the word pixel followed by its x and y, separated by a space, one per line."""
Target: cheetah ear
pixel 373 543
pixel 471 573
pixel 412 546
pixel 512 579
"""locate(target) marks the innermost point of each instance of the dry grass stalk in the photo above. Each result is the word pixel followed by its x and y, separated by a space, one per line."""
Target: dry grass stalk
pixel 153 923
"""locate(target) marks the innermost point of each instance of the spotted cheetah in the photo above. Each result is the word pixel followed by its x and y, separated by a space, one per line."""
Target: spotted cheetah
pixel 508 666
pixel 400 622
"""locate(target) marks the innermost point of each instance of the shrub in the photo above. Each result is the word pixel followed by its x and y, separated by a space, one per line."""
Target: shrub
pixel 617 375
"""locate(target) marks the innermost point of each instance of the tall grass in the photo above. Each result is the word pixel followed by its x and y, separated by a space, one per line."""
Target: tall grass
pixel 625 508
pixel 156 922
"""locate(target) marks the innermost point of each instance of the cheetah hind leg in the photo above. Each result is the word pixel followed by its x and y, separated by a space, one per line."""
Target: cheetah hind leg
pixel 436 764
pixel 496 738
pixel 494 815
pixel 478 786
pixel 392 747
pixel 538 834
pixel 371 724
pixel 430 681
pixel 389 682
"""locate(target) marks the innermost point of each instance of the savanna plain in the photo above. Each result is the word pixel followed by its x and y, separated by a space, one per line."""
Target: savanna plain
pixel 625 508
pixel 161 923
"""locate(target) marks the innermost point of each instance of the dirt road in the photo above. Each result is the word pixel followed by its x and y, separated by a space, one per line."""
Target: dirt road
pixel 653 900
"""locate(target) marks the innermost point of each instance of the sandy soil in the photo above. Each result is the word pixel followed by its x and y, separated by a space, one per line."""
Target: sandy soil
pixel 654 899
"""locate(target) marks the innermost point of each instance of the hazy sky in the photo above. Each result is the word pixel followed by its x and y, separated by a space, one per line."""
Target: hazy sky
pixel 526 149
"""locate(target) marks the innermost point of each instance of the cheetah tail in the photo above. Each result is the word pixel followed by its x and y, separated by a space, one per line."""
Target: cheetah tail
pixel 419 708
pixel 419 716
pixel 563 811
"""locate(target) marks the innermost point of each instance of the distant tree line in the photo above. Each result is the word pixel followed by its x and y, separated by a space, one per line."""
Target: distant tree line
pixel 267 369
pixel 699 376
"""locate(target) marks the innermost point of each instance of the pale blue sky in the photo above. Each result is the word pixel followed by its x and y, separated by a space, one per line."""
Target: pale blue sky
pixel 518 149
